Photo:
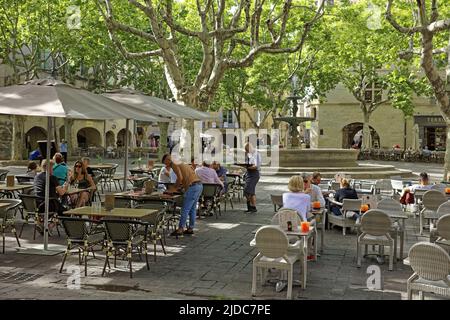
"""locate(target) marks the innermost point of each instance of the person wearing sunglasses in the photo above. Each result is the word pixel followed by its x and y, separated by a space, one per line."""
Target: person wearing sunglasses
pixel 81 180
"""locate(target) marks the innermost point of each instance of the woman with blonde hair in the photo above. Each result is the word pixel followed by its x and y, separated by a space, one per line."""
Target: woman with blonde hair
pixel 296 199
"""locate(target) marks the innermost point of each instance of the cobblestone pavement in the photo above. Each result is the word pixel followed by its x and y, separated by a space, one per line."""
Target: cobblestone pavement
pixel 215 263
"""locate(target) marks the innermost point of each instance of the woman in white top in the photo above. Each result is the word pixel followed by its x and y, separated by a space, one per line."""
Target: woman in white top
pixel 296 199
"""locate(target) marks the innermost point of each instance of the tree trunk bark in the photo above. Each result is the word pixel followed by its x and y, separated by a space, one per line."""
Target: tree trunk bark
pixel 162 148
pixel 447 155
pixel 18 138
pixel 367 139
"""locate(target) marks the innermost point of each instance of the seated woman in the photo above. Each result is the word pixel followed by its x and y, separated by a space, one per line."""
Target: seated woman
pixel 81 180
pixel 296 199
pixel 346 192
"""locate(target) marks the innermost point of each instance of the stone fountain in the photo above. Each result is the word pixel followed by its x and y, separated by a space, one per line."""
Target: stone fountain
pixel 328 161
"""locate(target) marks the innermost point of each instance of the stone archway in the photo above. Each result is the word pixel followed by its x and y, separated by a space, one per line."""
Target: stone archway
pixel 121 138
pixel 33 136
pixel 110 139
pixel 352 131
pixel 88 137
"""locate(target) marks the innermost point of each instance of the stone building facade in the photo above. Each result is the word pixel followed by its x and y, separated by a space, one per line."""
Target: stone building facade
pixel 340 118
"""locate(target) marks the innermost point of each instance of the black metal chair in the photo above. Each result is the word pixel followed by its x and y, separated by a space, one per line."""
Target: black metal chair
pixel 29 210
pixel 210 198
pixel 3 174
pixel 124 238
pixel 81 237
pixel 22 179
pixel 156 222
pixel 7 218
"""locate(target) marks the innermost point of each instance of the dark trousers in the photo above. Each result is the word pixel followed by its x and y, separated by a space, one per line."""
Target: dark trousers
pixel 64 154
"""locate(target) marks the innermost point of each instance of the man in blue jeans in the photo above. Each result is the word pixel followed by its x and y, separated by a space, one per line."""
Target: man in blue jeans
pixel 188 181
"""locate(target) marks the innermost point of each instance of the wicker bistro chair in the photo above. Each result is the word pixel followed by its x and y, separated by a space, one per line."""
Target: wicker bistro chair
pixel 29 210
pixel 120 202
pixel 441 234
pixel 22 179
pixel 95 194
pixel 375 229
pixel 210 199
pixel 3 174
pixel 124 238
pixel 274 252
pixel 431 266
pixel 277 201
pixel 80 237
pixel 431 201
pixel 443 209
pixel 107 178
pixel 156 224
pixel 343 221
pixel 7 218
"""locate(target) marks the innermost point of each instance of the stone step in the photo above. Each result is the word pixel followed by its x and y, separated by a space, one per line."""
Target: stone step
pixel 353 172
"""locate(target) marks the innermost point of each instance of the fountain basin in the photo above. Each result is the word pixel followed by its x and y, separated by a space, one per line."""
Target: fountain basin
pixel 328 161
pixel 327 157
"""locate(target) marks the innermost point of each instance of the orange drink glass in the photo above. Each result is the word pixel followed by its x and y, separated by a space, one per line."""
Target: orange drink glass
pixel 316 205
pixel 304 226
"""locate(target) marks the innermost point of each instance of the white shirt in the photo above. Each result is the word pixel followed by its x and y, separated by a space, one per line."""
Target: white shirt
pixel 316 195
pixel 298 201
pixel 414 187
pixel 208 175
pixel 164 178
pixel 255 159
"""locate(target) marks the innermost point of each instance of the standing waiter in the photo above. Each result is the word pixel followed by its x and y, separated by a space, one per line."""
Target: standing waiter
pixel 253 165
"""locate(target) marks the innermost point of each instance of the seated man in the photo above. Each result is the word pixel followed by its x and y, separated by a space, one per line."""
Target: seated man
pixel 207 174
pixel 55 190
pixel 60 168
pixel 312 188
pixel 407 196
pixel 221 173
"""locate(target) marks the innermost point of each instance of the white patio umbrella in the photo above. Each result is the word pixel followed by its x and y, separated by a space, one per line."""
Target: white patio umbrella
pixel 156 105
pixel 52 98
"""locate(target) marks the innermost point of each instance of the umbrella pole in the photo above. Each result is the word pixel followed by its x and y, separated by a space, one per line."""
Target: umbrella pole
pixel 125 167
pixel 47 182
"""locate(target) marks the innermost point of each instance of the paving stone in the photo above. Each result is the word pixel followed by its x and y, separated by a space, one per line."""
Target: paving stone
pixel 213 264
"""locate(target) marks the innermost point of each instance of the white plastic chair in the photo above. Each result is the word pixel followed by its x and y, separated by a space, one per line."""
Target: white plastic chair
pixel 274 252
pixel 342 220
pixel 375 230
pixel 431 201
pixel 443 209
pixel 431 266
